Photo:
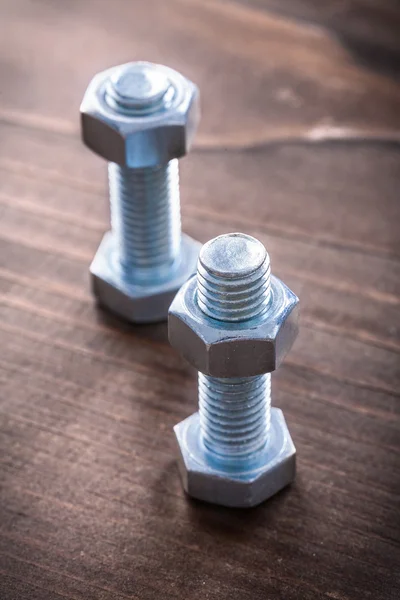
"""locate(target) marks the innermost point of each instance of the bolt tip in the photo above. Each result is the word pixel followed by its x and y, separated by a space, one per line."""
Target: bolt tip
pixel 139 86
pixel 232 255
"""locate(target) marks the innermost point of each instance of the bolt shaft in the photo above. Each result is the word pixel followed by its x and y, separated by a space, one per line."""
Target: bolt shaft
pixel 145 218
pixel 234 414
pixel 233 285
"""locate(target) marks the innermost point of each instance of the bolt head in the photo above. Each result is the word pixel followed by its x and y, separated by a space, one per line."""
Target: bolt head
pixel 140 114
pixel 240 485
pixel 139 301
pixel 241 349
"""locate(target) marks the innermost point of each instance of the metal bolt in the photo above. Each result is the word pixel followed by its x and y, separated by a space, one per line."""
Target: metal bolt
pixel 236 450
pixel 141 117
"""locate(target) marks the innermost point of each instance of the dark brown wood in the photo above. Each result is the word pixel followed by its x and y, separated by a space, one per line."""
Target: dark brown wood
pixel 299 145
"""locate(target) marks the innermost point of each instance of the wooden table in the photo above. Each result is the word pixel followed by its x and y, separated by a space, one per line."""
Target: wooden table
pixel 299 146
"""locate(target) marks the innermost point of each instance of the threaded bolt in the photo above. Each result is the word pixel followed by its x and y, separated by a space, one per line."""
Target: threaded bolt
pixel 141 117
pixel 145 218
pixel 234 322
pixel 234 414
pixel 233 285
pixel 145 203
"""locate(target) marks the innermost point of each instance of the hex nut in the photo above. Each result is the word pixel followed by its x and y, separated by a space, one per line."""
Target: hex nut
pixel 145 140
pixel 131 300
pixel 202 479
pixel 221 349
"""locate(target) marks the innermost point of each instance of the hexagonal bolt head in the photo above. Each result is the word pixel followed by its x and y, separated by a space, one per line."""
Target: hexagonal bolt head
pixel 206 480
pixel 145 302
pixel 242 349
pixel 140 114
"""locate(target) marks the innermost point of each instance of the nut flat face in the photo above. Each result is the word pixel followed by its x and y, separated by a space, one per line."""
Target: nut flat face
pixel 242 349
pixel 139 301
pixel 140 114
pixel 238 485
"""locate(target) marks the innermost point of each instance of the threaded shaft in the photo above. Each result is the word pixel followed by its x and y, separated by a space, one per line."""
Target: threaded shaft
pixel 145 216
pixel 234 414
pixel 233 285
pixel 233 278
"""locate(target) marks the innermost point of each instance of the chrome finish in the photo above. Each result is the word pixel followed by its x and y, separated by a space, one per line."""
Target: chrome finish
pixel 141 117
pixel 233 278
pixel 236 322
pixel 243 485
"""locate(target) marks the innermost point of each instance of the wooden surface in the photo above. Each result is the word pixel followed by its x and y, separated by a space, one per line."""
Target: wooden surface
pixel 299 146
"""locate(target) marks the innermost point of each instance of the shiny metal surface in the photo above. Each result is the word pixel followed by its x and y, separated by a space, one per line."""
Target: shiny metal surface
pixel 233 278
pixel 232 428
pixel 235 451
pixel 139 299
pixel 141 117
pixel 140 114
pixel 234 349
pixel 145 218
pixel 241 485
pixel 139 89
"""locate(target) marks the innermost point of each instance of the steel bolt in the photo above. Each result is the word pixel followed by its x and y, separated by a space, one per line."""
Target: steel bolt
pixel 236 450
pixel 141 117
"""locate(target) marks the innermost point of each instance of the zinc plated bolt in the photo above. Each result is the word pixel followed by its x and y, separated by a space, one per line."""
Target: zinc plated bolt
pixel 141 117
pixel 235 323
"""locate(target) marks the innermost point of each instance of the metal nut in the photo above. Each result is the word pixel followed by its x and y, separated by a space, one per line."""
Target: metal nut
pixel 234 349
pixel 153 137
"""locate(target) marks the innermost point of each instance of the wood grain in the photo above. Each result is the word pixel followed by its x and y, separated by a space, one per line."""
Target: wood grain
pixel 370 30
pixel 299 146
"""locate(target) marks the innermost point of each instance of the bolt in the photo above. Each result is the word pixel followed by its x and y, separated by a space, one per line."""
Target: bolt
pixel 141 117
pixel 236 450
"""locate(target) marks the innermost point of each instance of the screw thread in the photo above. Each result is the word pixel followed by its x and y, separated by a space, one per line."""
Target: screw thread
pixel 145 217
pixel 234 285
pixel 234 414
pixel 236 296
